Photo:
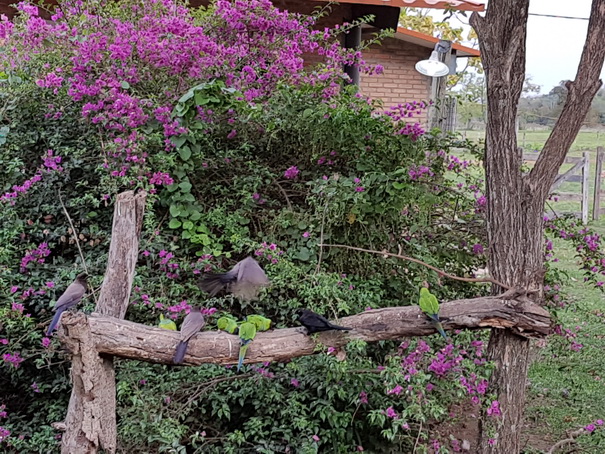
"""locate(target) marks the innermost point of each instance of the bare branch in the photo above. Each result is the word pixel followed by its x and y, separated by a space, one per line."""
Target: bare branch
pixel 75 235
pixel 420 262
pixel 572 437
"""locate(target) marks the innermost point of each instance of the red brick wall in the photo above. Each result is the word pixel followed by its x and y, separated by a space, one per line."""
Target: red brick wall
pixel 400 82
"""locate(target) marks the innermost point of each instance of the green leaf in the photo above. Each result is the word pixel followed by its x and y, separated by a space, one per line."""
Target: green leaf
pixel 226 324
pixel 247 331
pixel 398 185
pixel 175 211
pixel 185 153
pixel 304 254
pixel 179 141
pixel 174 224
pixel 185 186
pixel 195 215
pixel 125 85
pixel 187 225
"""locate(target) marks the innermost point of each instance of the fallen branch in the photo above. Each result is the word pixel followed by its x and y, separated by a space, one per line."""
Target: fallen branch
pixel 126 339
pixel 572 438
pixel 420 262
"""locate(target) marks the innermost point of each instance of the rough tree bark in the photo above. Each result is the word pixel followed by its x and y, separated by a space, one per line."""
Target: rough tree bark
pixel 515 202
pixel 91 415
pixel 115 337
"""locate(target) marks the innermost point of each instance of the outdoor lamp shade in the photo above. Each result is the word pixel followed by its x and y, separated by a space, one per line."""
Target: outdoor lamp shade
pixel 432 67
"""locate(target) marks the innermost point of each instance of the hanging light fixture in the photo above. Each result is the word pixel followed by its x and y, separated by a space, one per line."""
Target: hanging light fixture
pixel 433 67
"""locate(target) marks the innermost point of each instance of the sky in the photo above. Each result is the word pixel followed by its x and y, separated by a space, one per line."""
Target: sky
pixel 554 45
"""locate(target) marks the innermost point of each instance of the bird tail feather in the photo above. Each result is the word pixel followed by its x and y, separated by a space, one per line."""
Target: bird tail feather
pixel 242 354
pixel 179 354
pixel 339 328
pixel 54 321
pixel 439 328
pixel 214 283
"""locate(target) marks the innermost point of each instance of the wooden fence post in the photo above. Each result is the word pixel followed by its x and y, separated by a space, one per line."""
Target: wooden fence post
pixel 585 179
pixel 91 415
pixel 596 202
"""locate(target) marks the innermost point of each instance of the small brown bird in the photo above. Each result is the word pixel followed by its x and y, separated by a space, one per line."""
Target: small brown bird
pixel 244 280
pixel 72 296
pixel 193 322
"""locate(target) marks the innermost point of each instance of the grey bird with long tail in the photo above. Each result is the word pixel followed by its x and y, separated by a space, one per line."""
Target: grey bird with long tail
pixel 72 296
pixel 244 280
pixel 193 323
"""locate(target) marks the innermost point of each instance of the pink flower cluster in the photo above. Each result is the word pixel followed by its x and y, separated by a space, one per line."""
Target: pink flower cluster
pixel 161 179
pixel 37 255
pixel 14 359
pixel 269 251
pixel 475 387
pixel 407 110
pixel 418 172
pixel 413 131
pixel 50 164
pixel 291 173
pixel 250 44
pixel 169 267
pixel 456 165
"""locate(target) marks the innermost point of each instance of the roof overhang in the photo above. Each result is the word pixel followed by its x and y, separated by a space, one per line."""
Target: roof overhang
pixel 457 5
pixel 424 40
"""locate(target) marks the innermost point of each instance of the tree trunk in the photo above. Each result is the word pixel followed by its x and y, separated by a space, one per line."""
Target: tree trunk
pixel 515 202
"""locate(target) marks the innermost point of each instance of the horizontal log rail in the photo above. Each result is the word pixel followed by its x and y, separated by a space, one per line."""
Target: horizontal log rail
pixel 127 339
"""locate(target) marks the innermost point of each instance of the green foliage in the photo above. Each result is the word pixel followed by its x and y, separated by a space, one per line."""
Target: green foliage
pixel 232 197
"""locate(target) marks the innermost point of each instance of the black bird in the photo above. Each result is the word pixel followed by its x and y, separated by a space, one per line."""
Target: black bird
pixel 244 280
pixel 72 296
pixel 193 323
pixel 316 323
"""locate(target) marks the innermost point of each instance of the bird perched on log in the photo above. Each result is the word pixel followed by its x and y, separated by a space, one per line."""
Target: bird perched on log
pixel 166 323
pixel 315 323
pixel 193 322
pixel 430 306
pixel 72 296
pixel 244 280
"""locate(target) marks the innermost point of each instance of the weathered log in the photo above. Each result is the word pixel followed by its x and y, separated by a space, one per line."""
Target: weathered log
pixel 91 415
pixel 145 343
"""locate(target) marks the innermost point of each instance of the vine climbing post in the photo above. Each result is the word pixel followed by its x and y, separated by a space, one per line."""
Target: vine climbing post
pixel 91 415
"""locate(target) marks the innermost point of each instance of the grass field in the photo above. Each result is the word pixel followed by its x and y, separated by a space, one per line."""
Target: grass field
pixel 566 389
pixel 586 141
pixel 534 140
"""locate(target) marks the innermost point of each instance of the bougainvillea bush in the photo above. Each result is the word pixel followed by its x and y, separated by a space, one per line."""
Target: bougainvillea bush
pixel 243 150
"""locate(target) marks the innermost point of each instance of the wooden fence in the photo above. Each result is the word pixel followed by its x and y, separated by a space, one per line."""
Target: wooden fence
pixel 598 191
pixel 579 173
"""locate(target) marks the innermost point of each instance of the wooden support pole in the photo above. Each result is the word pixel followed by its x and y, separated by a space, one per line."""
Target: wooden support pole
pixel 596 201
pixel 91 415
pixel 585 189
pixel 126 339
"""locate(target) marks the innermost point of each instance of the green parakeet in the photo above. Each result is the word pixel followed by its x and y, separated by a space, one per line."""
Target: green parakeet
pixel 166 323
pixel 430 306
pixel 247 332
